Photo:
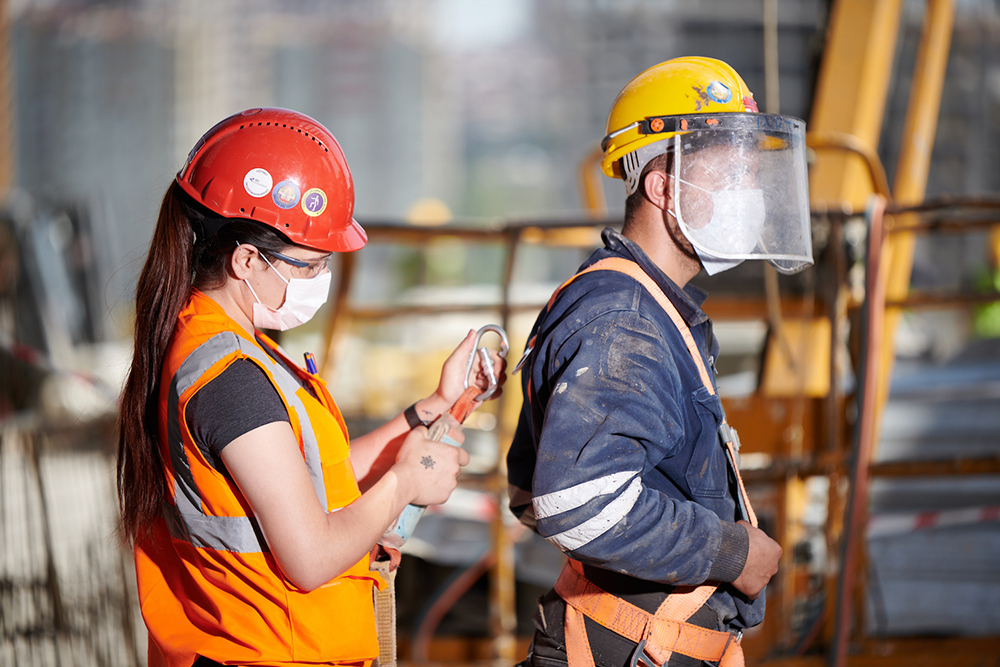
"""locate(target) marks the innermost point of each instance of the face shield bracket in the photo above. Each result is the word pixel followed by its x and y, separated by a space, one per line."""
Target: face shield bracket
pixel 767 124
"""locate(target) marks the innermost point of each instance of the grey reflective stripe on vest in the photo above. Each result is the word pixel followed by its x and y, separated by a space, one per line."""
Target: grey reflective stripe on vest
pixel 289 386
pixel 186 520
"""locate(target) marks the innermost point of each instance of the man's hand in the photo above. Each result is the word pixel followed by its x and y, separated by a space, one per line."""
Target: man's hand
pixel 762 562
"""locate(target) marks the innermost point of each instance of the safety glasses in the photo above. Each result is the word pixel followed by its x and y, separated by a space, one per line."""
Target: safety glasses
pixel 314 267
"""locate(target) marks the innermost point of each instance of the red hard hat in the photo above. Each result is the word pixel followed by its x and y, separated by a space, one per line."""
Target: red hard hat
pixel 280 168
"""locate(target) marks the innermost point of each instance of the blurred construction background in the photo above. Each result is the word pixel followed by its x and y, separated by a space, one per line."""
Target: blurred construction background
pixel 866 389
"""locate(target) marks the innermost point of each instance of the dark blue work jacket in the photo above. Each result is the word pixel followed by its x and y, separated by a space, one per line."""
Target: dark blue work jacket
pixel 617 459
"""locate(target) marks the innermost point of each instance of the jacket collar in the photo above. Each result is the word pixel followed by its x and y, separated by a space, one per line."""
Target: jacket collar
pixel 687 300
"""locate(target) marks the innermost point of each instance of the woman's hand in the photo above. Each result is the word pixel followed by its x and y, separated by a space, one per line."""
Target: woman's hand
pixel 310 544
pixel 374 453
pixel 429 470
pixel 452 383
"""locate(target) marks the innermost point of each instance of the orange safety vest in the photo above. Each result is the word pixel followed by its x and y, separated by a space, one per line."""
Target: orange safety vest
pixel 208 584
pixel 666 631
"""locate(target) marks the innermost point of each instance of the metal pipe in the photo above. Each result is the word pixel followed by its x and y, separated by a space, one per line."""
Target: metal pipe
pixel 930 300
pixel 831 139
pixel 946 201
pixel 946 226
pixel 856 517
pixel 772 96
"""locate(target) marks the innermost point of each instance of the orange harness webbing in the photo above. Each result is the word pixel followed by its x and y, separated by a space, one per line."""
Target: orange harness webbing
pixel 658 635
pixel 666 631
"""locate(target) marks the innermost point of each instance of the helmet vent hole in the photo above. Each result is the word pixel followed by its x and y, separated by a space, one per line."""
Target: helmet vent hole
pixel 242 210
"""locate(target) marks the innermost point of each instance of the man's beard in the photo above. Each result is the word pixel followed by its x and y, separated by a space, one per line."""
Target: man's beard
pixel 674 230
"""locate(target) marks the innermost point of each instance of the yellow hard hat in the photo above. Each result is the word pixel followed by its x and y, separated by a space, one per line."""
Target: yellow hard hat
pixel 688 85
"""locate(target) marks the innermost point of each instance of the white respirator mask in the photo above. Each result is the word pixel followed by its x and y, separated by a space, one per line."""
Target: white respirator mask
pixel 735 226
pixel 303 297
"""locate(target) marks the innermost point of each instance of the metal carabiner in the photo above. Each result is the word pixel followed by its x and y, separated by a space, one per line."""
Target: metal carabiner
pixel 484 355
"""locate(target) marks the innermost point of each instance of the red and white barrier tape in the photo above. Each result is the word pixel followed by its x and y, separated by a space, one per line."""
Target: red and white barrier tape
pixel 885 525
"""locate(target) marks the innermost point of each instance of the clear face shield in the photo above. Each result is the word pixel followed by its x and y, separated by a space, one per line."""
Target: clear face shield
pixel 740 189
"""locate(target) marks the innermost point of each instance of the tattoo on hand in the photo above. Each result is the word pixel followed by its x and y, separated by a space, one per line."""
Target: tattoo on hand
pixel 427 462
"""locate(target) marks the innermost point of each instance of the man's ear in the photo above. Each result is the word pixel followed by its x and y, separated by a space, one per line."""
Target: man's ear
pixel 656 188
pixel 241 262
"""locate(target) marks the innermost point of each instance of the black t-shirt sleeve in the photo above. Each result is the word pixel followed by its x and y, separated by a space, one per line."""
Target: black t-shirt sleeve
pixel 237 401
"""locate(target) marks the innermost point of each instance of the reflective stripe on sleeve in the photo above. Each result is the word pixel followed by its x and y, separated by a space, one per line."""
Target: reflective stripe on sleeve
pixel 558 502
pixel 616 510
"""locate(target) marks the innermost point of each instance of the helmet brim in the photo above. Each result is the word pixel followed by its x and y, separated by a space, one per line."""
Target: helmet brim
pixel 352 237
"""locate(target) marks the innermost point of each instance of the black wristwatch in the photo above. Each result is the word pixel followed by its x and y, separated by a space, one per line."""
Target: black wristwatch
pixel 412 418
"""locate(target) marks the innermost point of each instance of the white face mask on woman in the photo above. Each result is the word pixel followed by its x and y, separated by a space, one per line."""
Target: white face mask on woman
pixel 303 297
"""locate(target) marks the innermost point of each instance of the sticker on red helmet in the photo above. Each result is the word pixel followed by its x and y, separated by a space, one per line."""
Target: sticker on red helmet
pixel 314 202
pixel 286 194
pixel 719 92
pixel 257 182
pixel 749 105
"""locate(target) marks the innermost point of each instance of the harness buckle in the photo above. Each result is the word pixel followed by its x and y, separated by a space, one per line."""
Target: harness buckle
pixel 737 636
pixel 729 434
pixel 638 654
pixel 484 356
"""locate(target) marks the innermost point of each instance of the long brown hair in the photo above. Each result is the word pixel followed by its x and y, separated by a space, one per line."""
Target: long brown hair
pixel 177 261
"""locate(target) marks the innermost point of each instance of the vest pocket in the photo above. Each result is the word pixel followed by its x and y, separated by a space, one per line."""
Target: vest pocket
pixel 706 472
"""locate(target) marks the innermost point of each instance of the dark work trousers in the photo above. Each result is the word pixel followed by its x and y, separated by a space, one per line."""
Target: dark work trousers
pixel 548 649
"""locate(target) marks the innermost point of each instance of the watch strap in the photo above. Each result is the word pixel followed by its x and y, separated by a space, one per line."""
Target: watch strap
pixel 412 418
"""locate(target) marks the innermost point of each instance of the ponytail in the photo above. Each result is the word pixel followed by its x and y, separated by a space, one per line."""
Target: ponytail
pixel 163 288
pixel 176 263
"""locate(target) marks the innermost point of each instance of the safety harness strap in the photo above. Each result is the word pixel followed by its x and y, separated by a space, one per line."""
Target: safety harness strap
pixel 465 404
pixel 632 269
pixel 657 635
pixel 578 651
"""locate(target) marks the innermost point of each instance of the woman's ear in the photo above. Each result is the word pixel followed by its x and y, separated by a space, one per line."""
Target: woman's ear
pixel 241 262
